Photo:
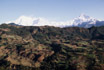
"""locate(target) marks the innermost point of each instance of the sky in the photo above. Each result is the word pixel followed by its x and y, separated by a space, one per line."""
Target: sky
pixel 57 10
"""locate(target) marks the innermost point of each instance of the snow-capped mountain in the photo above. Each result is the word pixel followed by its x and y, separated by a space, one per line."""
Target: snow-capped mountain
pixel 33 21
pixel 84 21
pixel 83 18
pixel 81 21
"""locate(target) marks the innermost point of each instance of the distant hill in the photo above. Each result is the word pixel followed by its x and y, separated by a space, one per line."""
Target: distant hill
pixel 14 24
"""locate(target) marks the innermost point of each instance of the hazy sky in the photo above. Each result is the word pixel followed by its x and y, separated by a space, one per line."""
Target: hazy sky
pixel 59 10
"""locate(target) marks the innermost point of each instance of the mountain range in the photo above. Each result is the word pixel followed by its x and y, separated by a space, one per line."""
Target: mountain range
pixel 81 21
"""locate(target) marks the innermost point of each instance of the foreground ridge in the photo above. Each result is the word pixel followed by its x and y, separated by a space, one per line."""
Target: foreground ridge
pixel 51 48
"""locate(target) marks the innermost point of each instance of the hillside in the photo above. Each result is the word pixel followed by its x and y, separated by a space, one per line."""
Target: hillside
pixel 51 48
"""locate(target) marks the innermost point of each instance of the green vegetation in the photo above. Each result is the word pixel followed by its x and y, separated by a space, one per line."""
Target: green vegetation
pixel 51 48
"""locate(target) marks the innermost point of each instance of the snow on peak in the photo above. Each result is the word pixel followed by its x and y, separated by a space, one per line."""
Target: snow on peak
pixel 24 20
pixel 83 18
pixel 33 21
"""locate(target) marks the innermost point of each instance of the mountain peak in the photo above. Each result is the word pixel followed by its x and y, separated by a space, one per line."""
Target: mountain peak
pixel 84 16
pixel 82 21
